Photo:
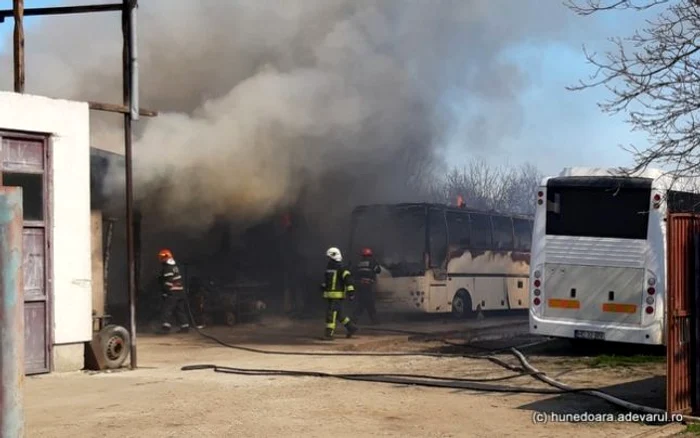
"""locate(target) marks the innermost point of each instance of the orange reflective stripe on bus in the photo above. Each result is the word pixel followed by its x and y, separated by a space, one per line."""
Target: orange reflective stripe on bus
pixel 619 308
pixel 564 304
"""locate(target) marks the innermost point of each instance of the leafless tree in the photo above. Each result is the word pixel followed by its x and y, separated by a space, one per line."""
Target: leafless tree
pixel 654 77
pixel 502 188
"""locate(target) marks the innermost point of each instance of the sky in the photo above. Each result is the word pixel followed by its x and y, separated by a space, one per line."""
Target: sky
pixel 563 128
pixel 560 128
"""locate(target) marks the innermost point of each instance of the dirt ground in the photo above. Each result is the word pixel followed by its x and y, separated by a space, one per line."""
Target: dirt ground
pixel 160 400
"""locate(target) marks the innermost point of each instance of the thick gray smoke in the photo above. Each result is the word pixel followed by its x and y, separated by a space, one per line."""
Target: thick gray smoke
pixel 266 104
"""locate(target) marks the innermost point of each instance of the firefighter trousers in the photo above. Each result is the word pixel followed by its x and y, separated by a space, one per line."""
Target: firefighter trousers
pixel 335 313
pixel 175 304
pixel 365 301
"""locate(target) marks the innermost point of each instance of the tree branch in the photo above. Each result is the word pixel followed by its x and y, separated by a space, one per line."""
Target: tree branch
pixel 654 77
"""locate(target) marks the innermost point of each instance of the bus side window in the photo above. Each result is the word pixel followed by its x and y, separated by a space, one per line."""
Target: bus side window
pixel 480 231
pixel 502 232
pixel 523 234
pixel 437 238
pixel 458 229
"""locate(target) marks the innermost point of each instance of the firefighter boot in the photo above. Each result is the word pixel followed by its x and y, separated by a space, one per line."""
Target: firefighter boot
pixel 328 335
pixel 351 329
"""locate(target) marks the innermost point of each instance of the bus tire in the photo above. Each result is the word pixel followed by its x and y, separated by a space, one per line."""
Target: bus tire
pixel 462 305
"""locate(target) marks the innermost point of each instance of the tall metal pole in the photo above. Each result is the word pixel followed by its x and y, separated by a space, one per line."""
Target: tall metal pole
pixel 126 59
pixel 11 314
pixel 134 66
pixel 18 9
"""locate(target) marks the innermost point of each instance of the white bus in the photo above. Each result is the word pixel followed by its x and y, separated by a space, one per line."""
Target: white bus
pixel 441 259
pixel 599 260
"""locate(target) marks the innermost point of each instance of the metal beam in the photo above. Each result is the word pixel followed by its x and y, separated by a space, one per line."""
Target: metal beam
pixel 18 13
pixel 11 314
pixel 62 10
pixel 123 109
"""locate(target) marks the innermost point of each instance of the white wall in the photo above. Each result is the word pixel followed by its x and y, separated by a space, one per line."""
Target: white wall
pixel 68 123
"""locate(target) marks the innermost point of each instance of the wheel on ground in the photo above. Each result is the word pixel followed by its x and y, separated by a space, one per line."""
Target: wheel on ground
pixel 462 305
pixel 115 344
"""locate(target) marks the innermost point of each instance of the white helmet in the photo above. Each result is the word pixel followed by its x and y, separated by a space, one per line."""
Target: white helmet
pixel 334 254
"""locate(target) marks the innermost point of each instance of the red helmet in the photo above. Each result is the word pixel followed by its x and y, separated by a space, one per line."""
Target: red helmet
pixel 367 252
pixel 164 255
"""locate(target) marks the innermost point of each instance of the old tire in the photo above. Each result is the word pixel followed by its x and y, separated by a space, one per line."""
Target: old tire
pixel 115 344
pixel 462 305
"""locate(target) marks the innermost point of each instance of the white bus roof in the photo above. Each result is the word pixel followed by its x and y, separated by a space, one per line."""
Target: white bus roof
pixel 662 180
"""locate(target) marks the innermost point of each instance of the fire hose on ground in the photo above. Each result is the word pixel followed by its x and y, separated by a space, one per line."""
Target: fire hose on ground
pixel 473 384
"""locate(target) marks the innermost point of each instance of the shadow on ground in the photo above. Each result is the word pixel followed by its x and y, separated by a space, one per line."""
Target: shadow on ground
pixel 649 392
pixel 601 354
pixel 577 348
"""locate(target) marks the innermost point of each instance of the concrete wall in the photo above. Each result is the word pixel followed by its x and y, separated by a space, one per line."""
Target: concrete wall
pixel 68 123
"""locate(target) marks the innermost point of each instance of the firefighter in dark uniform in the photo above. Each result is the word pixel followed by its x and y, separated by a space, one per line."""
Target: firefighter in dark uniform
pixel 366 272
pixel 337 286
pixel 173 293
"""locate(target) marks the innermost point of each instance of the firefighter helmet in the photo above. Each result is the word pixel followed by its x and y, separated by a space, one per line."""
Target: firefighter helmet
pixel 334 254
pixel 367 252
pixel 165 255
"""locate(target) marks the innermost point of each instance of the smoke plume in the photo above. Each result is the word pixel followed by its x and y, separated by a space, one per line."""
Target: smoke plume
pixel 268 104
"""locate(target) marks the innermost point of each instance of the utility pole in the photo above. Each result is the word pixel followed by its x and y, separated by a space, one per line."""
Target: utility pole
pixel 130 83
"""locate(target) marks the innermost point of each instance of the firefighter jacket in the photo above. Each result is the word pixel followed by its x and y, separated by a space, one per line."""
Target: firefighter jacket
pixel 171 277
pixel 367 270
pixel 338 282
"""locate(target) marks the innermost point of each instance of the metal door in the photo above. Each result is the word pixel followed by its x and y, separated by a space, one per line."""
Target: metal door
pixel 681 230
pixel 24 163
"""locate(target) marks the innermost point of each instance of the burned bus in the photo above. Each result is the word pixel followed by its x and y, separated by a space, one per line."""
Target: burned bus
pixel 438 259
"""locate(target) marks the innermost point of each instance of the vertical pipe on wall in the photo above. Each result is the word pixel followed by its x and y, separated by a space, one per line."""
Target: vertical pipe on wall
pixel 11 314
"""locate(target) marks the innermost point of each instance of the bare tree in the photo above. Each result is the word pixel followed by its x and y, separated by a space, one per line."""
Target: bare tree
pixel 502 188
pixel 654 77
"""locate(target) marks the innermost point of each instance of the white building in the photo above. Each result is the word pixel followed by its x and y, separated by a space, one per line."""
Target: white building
pixel 46 150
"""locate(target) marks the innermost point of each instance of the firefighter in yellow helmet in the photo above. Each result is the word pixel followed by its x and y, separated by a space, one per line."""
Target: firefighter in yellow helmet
pixel 337 286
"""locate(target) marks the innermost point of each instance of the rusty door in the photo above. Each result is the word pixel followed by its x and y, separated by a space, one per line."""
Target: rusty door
pixel 681 231
pixel 24 162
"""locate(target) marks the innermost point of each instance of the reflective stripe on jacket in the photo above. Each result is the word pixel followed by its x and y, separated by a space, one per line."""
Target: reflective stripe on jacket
pixel 338 283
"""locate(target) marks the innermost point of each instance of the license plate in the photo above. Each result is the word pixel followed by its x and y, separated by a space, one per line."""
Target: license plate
pixel 586 334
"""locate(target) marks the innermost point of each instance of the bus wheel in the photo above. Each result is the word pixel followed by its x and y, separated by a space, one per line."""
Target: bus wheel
pixel 462 305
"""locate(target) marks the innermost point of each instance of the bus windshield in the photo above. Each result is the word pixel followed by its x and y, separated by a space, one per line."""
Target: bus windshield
pixel 395 234
pixel 608 207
